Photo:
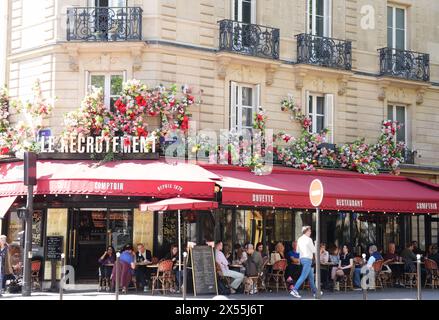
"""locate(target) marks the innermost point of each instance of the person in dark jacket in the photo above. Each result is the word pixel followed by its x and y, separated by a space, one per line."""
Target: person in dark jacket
pixel 143 274
pixel 253 264
pixel 106 262
pixel 7 272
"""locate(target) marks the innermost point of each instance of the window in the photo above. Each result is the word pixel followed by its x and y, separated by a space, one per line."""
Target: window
pixel 108 3
pixel 244 102
pixel 398 113
pixel 319 17
pixel 396 28
pixel 320 110
pixel 111 83
pixel 244 11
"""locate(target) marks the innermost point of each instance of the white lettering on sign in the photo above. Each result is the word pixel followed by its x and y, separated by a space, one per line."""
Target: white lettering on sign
pixel 349 203
pixel 170 186
pixel 266 198
pixel 426 205
pixel 118 186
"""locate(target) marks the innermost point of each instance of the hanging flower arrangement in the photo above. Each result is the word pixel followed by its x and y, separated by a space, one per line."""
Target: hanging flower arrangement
pixel 4 110
pixel 260 120
pixel 23 136
pixel 307 151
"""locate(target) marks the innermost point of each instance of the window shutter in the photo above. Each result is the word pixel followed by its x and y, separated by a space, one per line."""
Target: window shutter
pixel 232 9
pixel 257 97
pixel 329 116
pixel 253 8
pixel 306 104
pixel 125 76
pixel 328 18
pixel 232 109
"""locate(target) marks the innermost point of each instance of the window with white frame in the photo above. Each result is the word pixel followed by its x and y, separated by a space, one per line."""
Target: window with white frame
pixel 398 113
pixel 319 17
pixel 244 101
pixel 111 84
pixel 108 3
pixel 244 11
pixel 396 27
pixel 321 109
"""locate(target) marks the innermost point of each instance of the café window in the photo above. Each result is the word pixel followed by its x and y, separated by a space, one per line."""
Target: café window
pixel 110 83
pixel 399 113
pixel 244 101
pixel 321 110
pixel 15 230
pixel 319 17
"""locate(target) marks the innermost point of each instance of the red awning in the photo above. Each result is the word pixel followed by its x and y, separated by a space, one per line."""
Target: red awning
pixel 5 204
pixel 179 204
pixel 121 178
pixel 288 188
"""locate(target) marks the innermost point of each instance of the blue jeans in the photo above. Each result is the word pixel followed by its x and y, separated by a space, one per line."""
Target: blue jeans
pixel 307 273
pixel 357 277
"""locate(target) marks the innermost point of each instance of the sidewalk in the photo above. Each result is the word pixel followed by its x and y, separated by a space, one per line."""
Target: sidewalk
pixel 386 294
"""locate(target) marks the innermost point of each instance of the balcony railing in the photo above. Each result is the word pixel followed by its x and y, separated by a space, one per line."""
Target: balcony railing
pixel 249 39
pixel 104 24
pixel 323 51
pixel 404 64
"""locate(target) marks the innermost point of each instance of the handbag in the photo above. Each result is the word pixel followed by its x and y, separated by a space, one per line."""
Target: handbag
pixel 274 257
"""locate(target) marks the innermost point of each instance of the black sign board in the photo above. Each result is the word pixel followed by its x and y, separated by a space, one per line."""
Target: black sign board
pixel 203 270
pixel 54 247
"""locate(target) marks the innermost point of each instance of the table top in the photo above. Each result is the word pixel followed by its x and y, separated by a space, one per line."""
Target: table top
pixel 329 264
pixel 235 265
pixel 152 266
pixel 396 262
pixel 143 263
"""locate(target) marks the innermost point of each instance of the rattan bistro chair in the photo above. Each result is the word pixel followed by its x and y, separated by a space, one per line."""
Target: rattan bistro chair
pixel 163 280
pixel 347 280
pixel 432 278
pixel 277 275
pixel 378 268
pixel 35 275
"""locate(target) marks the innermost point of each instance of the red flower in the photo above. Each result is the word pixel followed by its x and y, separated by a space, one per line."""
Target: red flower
pixel 120 106
pixel 260 117
pixel 142 132
pixel 185 123
pixel 141 101
pixel 127 142
pixel 4 150
pixel 287 138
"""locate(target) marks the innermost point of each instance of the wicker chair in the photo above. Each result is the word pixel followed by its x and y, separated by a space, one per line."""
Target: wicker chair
pixel 347 281
pixel 164 279
pixel 432 278
pixel 277 275
pixel 35 274
pixel 378 268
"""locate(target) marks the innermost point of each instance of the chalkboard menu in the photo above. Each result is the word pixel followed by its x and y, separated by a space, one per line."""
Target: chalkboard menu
pixel 203 270
pixel 54 247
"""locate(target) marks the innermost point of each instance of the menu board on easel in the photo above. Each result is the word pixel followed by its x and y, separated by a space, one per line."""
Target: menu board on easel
pixel 203 270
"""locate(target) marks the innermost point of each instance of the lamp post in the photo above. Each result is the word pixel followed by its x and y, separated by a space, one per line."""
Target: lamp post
pixel 418 271
pixel 117 275
pixel 184 274
pixel 63 275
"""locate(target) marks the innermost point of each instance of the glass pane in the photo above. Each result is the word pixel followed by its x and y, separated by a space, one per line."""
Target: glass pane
pixel 319 26
pixel 400 18
pixel 247 117
pixel 390 37
pixel 310 100
pixel 400 117
pixel 320 7
pixel 320 105
pixel 320 123
pixel 246 11
pixel 116 85
pixel 121 226
pixel 390 113
pixel 236 10
pixel 400 39
pixel 247 96
pixel 98 82
pixel 390 17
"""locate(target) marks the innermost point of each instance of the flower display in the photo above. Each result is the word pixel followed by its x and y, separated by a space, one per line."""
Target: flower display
pixel 260 120
pixel 4 110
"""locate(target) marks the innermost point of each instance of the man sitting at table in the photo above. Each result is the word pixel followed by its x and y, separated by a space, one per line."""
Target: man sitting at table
pixel 143 274
pixel 237 277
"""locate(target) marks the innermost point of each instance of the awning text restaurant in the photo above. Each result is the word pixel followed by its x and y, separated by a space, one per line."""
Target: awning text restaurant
pixel 92 205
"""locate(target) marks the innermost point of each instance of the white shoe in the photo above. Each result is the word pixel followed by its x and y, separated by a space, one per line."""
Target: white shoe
pixel 295 293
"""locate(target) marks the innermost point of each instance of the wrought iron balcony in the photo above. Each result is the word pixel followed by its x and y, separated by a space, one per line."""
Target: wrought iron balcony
pixel 323 51
pixel 249 39
pixel 404 64
pixel 104 24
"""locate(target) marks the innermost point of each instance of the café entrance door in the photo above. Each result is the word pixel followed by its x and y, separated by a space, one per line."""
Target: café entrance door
pixel 91 231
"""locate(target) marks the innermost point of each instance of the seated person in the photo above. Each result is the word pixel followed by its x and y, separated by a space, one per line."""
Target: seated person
pixel 391 255
pixel 344 266
pixel 334 257
pixel 237 277
pixel 294 268
pixel 359 263
pixel 409 258
pixel 253 264
pixel 143 274
pixel 324 259
pixel 374 255
pixel 174 257
pixel 435 254
pixel 105 267
pixel 260 249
